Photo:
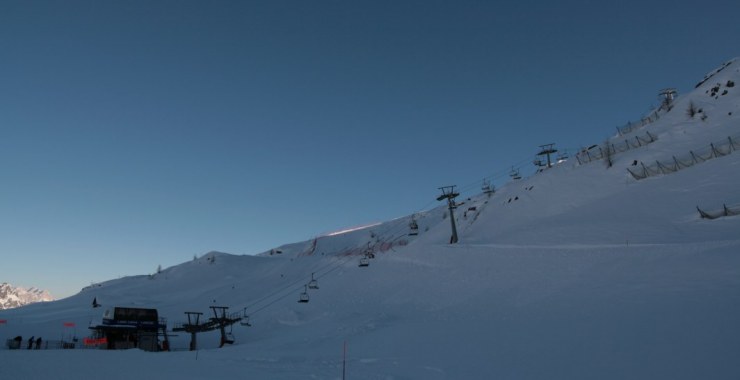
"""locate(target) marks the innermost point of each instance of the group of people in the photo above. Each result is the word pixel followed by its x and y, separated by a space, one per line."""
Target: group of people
pixel 33 342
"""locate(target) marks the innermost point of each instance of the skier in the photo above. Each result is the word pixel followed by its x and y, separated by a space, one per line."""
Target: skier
pixel 30 342
pixel 38 343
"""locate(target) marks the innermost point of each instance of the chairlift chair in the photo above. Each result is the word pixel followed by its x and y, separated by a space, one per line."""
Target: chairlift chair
pixel 414 228
pixel 487 188
pixel 313 284
pixel 304 296
pixel 364 262
pixel 369 252
pixel 514 173
pixel 245 319
pixel 562 157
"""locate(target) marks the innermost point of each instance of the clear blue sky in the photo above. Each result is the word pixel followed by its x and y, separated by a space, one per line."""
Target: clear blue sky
pixel 140 133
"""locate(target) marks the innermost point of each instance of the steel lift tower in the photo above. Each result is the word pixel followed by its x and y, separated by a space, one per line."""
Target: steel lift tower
pixel 448 192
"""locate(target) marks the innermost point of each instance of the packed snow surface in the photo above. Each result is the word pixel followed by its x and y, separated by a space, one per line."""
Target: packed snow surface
pixel 579 271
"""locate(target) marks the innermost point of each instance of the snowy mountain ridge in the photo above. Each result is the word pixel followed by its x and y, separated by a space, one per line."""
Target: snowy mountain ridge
pixel 12 297
pixel 581 270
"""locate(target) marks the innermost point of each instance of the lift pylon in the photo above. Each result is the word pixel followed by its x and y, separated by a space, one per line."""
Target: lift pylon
pixel 448 192
pixel 547 150
pixel 219 321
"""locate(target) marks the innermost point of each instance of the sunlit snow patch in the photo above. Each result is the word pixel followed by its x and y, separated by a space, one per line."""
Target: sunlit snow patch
pixel 352 229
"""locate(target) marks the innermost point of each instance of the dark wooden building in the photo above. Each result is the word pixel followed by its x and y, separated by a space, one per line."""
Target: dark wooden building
pixel 126 327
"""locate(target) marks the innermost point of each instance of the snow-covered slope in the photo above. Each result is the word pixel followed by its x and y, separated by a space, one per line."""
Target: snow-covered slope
pixel 579 271
pixel 12 296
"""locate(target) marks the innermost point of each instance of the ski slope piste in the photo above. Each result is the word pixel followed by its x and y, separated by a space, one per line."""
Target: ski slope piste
pixel 598 268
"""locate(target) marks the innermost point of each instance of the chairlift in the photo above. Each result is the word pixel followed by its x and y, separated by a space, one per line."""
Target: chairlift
pixel 514 173
pixel 230 334
pixel 414 228
pixel 245 319
pixel 538 162
pixel 313 284
pixel 304 296
pixel 562 157
pixel 229 338
pixel 487 188
pixel 369 252
pixel 364 261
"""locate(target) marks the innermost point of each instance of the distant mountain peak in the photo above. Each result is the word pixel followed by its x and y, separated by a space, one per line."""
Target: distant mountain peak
pixel 12 297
